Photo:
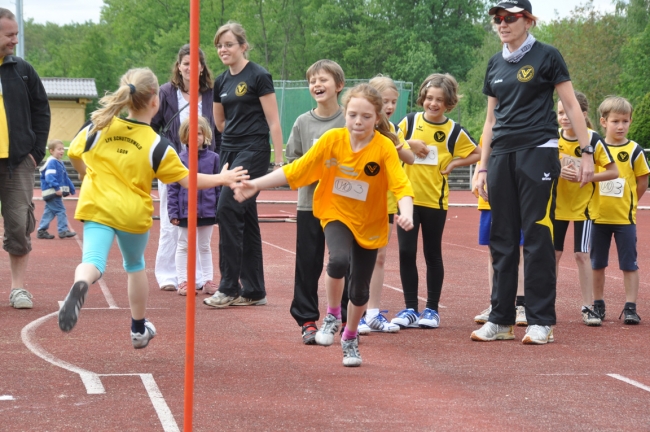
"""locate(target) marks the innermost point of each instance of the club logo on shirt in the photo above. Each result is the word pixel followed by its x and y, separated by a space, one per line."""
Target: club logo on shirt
pixel 578 152
pixel 241 89
pixel 526 73
pixel 623 156
pixel 547 177
pixel 439 136
pixel 371 169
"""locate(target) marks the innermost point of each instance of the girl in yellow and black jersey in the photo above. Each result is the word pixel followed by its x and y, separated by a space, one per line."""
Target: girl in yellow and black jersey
pixel 354 166
pixel 439 145
pixel 118 158
pixel 579 204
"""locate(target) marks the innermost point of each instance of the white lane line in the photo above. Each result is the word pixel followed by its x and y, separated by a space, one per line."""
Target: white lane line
pixel 387 286
pixel 90 379
pixel 107 293
pixel 158 401
pixel 7 398
pixel 630 381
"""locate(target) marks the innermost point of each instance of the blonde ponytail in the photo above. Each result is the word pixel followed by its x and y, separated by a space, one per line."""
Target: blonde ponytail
pixel 137 87
pixel 369 93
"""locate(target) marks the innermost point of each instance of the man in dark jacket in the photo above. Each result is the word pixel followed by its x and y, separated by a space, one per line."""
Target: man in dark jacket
pixel 24 127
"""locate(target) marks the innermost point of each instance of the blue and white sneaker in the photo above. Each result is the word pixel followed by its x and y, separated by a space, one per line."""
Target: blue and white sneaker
pixel 381 324
pixel 141 340
pixel 364 328
pixel 429 319
pixel 407 318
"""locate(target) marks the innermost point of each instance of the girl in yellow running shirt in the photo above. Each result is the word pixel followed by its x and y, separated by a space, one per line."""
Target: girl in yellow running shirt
pixel 118 158
pixel 374 320
pixel 355 166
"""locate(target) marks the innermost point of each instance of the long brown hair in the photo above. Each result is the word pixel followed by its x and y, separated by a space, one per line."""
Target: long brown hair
pixel 369 93
pixel 205 77
pixel 584 106
pixel 146 86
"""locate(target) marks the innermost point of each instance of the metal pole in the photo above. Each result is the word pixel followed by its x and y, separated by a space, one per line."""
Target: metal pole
pixel 20 51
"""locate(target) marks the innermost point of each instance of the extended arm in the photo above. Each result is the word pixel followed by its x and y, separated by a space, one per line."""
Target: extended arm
pixel 490 121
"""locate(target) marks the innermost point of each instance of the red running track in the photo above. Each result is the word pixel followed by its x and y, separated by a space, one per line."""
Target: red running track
pixel 252 371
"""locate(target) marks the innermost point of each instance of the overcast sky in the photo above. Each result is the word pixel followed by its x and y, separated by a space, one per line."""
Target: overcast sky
pixel 69 11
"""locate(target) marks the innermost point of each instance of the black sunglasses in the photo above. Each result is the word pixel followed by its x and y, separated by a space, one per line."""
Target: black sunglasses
pixel 509 19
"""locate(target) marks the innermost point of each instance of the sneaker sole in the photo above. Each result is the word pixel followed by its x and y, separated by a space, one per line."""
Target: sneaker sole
pixel 353 362
pixel 364 331
pixel 480 320
pixel 390 330
pixel 477 338
pixel 24 303
pixel 592 323
pixel 631 322
pixel 261 302
pixel 528 341
pixel 219 306
pixel 522 324
pixel 69 313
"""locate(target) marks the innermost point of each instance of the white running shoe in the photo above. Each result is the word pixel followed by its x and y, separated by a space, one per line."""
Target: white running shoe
pixel 483 317
pixel 364 328
pixel 20 298
pixel 521 321
pixel 141 340
pixel 538 335
pixel 331 326
pixel 407 318
pixel 351 356
pixel 491 332
pixel 381 324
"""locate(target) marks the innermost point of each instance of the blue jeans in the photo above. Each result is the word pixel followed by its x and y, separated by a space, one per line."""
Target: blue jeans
pixel 54 208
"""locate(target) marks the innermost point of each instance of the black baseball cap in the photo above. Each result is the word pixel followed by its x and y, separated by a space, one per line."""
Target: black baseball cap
pixel 513 6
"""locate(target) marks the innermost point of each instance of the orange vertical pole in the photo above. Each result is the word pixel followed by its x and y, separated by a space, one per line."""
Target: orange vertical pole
pixel 190 309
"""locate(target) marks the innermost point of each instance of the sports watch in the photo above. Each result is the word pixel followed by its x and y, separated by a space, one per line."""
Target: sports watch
pixel 588 149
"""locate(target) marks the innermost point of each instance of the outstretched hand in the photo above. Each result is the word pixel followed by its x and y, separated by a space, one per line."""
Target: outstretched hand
pixel 243 190
pixel 234 175
pixel 404 222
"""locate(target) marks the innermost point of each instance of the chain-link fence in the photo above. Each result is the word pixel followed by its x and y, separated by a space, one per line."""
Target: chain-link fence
pixel 294 99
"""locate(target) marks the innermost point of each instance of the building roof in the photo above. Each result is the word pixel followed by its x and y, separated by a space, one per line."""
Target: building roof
pixel 70 88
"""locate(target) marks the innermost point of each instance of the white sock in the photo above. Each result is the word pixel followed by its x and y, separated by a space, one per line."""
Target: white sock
pixel 371 313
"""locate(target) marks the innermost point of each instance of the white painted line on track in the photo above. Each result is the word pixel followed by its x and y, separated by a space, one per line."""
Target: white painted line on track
pixel 107 293
pixel 90 379
pixel 387 286
pixel 630 381
pixel 7 398
pixel 278 247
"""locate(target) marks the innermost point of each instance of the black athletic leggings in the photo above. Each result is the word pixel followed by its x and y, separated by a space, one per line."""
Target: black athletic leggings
pixel 345 251
pixel 433 224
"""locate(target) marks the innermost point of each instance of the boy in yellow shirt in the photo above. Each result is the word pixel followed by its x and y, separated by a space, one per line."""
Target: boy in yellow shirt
pixel 618 203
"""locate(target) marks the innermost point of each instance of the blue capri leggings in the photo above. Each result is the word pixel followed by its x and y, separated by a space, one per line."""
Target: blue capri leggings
pixel 98 240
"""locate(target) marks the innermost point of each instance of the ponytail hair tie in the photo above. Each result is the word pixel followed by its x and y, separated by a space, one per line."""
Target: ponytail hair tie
pixel 132 88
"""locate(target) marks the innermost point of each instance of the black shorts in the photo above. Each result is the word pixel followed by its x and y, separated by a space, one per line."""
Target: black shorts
pixel 581 235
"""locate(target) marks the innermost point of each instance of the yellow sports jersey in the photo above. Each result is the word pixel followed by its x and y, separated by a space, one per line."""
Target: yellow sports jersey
pixel 618 197
pixel 352 185
pixel 121 162
pixel 575 203
pixel 392 202
pixel 4 129
pixel 446 141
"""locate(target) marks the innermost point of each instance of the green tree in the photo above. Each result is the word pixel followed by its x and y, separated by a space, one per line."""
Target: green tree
pixel 640 127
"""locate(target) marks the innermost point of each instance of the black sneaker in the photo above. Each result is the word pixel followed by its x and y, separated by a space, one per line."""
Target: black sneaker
pixel 631 317
pixel 309 330
pixel 65 234
pixel 43 234
pixel 69 312
pixel 600 310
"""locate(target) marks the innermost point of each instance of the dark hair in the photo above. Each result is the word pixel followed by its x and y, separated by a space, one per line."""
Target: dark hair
pixel 6 13
pixel 449 87
pixel 584 106
pixel 205 78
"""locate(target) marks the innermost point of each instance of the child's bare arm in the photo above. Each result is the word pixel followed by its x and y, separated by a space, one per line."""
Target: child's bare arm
pixel 472 158
pixel 641 185
pixel 80 166
pixel 206 181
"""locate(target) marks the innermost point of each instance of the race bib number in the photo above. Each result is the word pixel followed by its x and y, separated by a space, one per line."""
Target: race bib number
pixel 430 159
pixel 570 160
pixel 354 189
pixel 613 188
